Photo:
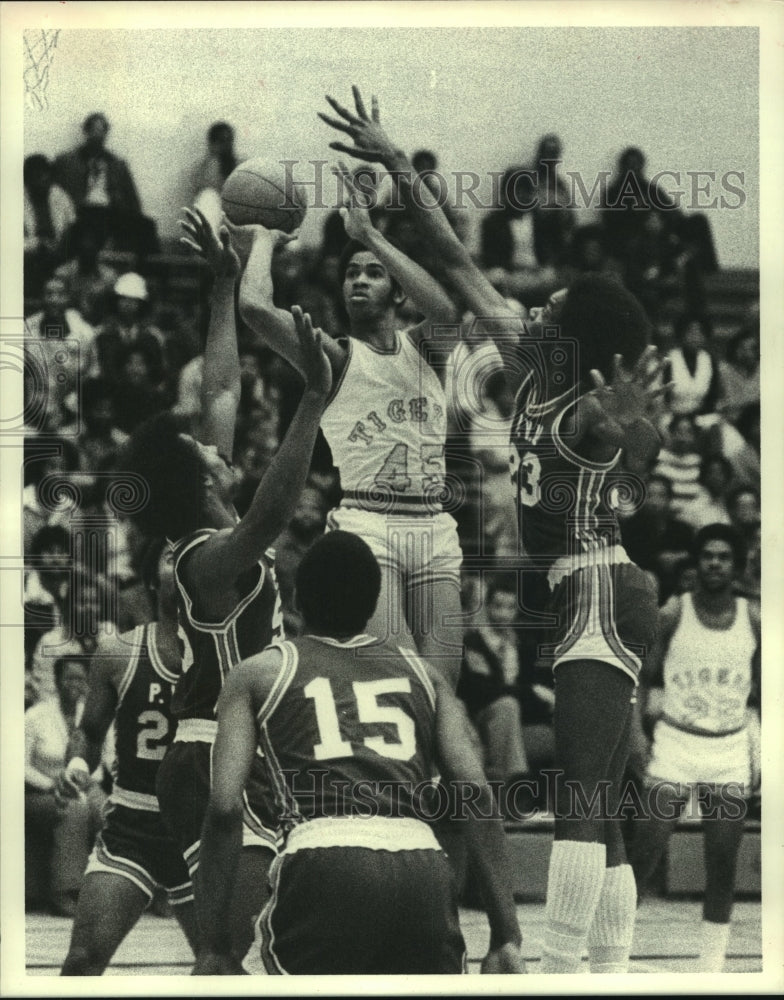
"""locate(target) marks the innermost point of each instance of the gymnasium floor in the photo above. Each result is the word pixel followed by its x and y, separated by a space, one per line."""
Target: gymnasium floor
pixel 665 941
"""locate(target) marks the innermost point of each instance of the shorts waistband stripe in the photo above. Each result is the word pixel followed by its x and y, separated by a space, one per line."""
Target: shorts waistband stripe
pixel 394 503
pixel 696 731
pixel 374 832
pixel 134 800
pixel 196 731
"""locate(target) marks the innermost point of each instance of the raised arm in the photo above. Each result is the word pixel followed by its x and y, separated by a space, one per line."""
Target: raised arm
pixel 232 551
pixel 275 327
pixel 220 387
pixel 221 839
pixel 484 828
pixel 420 287
pixel 453 264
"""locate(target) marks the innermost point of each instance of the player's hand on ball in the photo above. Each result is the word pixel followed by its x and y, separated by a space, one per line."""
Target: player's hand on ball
pixel 210 963
pixel 315 364
pixel 505 960
pixel 370 140
pixel 217 250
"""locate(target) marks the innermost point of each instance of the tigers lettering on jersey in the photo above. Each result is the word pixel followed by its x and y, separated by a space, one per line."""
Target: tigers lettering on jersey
pixel 386 423
pixel 212 649
pixel 341 737
pixel 144 726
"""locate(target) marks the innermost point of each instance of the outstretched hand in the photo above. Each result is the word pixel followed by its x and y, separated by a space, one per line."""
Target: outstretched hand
pixel 370 140
pixel 316 368
pixel 505 960
pixel 356 217
pixel 217 250
pixel 632 392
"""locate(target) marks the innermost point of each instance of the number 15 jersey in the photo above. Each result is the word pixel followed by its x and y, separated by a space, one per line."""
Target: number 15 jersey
pixel 348 729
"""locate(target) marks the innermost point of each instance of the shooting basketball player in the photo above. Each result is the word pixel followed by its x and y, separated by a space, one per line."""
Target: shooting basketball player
pixel 229 604
pixel 350 741
pixel 571 433
pixel 131 680
pixel 705 670
pixel 385 423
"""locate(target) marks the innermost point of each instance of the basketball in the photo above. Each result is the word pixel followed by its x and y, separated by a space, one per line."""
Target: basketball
pixel 259 193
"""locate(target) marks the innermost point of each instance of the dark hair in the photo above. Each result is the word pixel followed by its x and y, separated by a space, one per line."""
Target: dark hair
pixel 732 498
pixel 354 247
pixel 50 536
pixel 746 332
pixel 94 390
pixel 747 417
pixel 721 533
pixel 680 417
pixel 424 159
pixel 338 583
pixel 62 662
pixel 94 117
pixel 218 129
pixel 605 319
pixel 171 469
pixel 38 452
pixel 228 160
pixel 684 321
pixel 709 460
pixel 33 163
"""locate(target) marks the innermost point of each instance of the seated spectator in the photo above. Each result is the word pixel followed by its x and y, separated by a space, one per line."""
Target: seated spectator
pixel 41 462
pixel 59 342
pixel 554 210
pixel 490 683
pixel 680 460
pixel 692 370
pixel 62 833
pixel 102 188
pixel 740 375
pixel 709 506
pixel 742 448
pixel 127 326
pixel 97 436
pixel 48 213
pixel 655 538
pixel 139 391
pixel 47 568
pixel 84 615
pixel 89 281
pixel 515 249
pixel 749 583
pixel 743 505
pixel 212 172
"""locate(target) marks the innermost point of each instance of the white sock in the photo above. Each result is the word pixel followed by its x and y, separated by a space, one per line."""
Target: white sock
pixel 713 946
pixel 610 936
pixel 574 886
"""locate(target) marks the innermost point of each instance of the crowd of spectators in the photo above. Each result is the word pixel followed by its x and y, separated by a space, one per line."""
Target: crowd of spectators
pixel 109 343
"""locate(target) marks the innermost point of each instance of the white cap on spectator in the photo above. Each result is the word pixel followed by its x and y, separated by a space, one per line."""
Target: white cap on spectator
pixel 131 286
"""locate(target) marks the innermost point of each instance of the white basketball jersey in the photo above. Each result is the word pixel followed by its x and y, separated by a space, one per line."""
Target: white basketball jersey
pixel 386 424
pixel 707 671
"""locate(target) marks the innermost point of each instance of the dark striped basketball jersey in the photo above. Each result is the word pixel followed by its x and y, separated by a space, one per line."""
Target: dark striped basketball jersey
pixel 143 722
pixel 211 649
pixel 564 501
pixel 345 732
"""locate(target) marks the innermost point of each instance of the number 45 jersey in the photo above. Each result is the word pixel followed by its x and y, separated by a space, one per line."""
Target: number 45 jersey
pixel 386 427
pixel 348 729
pixel 143 722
